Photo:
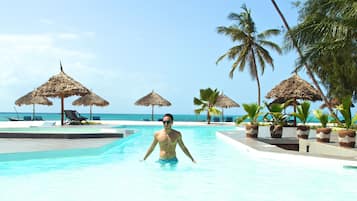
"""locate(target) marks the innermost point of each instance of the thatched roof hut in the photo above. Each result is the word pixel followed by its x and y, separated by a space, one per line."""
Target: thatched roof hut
pixel 294 88
pixel 62 86
pixel 152 99
pixel 224 101
pixel 30 99
pixel 91 99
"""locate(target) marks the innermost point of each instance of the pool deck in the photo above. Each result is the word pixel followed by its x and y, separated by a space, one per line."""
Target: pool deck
pixel 330 154
pixel 36 145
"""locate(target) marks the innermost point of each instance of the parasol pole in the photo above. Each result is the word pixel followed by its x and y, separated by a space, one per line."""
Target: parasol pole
pixel 62 109
pixel 294 112
pixel 222 115
pixel 152 112
pixel 90 112
pixel 33 112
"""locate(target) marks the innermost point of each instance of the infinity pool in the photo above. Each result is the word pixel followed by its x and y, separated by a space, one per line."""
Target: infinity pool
pixel 222 173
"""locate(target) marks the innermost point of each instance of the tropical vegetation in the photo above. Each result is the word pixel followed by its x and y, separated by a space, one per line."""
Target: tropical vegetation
pixel 325 39
pixel 303 112
pixel 251 45
pixel 275 113
pixel 327 32
pixel 345 109
pixel 253 111
pixel 322 117
pixel 206 102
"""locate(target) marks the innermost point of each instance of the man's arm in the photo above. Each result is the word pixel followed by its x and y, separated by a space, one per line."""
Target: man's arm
pixel 184 148
pixel 151 148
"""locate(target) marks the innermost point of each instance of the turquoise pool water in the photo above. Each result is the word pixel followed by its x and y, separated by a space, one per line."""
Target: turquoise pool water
pixel 222 173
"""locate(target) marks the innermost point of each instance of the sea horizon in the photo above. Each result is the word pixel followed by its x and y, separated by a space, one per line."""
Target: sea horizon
pixel 52 116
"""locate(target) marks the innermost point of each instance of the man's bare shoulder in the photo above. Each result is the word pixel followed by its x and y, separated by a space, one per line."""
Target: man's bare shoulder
pixel 176 132
pixel 158 132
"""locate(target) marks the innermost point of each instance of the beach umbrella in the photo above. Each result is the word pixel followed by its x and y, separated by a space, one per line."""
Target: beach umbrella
pixel 152 99
pixel 61 85
pixel 224 101
pixel 294 88
pixel 30 99
pixel 91 99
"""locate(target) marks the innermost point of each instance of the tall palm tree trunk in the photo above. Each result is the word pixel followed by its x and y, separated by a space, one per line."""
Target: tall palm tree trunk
pixel 256 75
pixel 307 67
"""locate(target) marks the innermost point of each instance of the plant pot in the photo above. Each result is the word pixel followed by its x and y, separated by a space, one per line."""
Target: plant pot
pixel 303 131
pixel 276 131
pixel 323 134
pixel 347 138
pixel 251 131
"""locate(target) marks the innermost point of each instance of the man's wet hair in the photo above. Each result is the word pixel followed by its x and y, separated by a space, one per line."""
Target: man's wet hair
pixel 169 115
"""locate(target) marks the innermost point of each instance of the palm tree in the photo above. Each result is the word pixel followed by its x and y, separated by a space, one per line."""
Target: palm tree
pixel 207 100
pixel 296 42
pixel 327 32
pixel 250 49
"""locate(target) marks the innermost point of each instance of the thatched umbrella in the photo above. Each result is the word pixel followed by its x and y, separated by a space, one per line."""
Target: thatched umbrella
pixel 91 99
pixel 152 99
pixel 224 101
pixel 30 99
pixel 62 86
pixel 294 88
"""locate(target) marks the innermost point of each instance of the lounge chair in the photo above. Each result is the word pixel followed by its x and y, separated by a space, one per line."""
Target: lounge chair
pixel 27 118
pixel 74 117
pixel 229 119
pixel 38 118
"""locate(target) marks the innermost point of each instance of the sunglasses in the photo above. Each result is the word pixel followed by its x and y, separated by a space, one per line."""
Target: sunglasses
pixel 166 122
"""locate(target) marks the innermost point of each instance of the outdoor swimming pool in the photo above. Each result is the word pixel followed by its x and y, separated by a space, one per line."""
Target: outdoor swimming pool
pixel 222 173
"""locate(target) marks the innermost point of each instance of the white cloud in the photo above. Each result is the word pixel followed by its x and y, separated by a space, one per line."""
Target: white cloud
pixel 28 60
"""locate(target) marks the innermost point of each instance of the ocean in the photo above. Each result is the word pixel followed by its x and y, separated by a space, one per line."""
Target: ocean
pixel 4 116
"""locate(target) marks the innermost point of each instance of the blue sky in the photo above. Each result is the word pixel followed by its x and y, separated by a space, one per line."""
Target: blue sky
pixel 124 49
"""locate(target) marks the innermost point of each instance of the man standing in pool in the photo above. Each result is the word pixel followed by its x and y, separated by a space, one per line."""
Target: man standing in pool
pixel 168 138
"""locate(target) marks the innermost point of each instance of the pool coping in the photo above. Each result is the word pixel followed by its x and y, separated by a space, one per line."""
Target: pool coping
pixel 264 150
pixel 60 135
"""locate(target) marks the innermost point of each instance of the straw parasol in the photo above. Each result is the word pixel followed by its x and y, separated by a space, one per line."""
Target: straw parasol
pixel 30 99
pixel 224 101
pixel 62 86
pixel 294 88
pixel 91 99
pixel 152 99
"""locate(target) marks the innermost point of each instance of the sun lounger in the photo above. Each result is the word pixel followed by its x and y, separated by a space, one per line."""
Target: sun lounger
pixel 38 118
pixel 229 119
pixel 27 118
pixel 74 117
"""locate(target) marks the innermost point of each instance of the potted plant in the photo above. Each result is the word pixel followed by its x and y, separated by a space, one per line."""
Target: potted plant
pixel 253 112
pixel 347 136
pixel 323 133
pixel 303 111
pixel 276 117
